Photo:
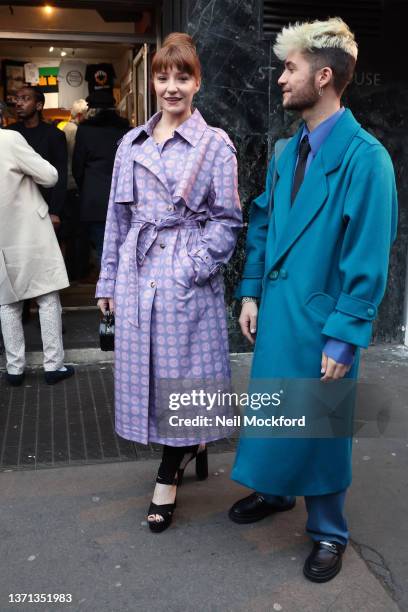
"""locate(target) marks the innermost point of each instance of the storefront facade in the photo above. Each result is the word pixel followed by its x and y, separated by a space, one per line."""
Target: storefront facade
pixel 240 94
pixel 239 91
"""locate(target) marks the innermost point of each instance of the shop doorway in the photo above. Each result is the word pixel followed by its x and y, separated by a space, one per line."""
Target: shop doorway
pixel 121 35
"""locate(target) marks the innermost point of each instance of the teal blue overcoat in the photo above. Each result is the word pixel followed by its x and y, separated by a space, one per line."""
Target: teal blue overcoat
pixel 320 269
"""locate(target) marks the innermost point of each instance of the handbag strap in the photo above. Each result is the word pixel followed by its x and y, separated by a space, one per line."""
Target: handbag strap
pixel 280 146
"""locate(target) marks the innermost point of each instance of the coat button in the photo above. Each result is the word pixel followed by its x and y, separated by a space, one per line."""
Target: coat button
pixel 283 273
pixel 152 284
pixel 170 207
pixel 162 246
pixel 274 274
pixel 371 312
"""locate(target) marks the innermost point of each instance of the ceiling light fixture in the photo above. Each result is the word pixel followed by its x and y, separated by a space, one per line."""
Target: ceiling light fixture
pixel 48 9
pixel 51 49
pixel 63 53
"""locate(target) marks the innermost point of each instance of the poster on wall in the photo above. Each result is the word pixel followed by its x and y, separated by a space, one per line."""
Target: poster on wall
pixel 48 81
pixel 14 75
pixel 31 73
pixel 13 79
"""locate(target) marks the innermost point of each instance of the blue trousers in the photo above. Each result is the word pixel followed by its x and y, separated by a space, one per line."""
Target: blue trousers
pixel 325 515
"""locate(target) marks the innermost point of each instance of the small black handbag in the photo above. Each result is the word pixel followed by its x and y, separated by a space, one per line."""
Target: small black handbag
pixel 107 332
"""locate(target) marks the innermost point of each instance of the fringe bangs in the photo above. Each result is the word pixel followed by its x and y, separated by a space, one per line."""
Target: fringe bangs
pixel 309 36
pixel 182 57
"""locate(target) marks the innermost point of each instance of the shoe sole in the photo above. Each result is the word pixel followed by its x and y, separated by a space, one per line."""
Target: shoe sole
pixel 255 518
pixel 324 577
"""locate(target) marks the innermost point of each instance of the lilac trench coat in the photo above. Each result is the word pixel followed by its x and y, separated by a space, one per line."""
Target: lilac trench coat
pixel 173 219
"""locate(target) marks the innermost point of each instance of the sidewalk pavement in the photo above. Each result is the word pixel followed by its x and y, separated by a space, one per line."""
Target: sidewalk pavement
pixel 82 530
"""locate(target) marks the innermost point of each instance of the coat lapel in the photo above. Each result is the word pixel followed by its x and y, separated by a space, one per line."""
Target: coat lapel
pixel 147 155
pixel 291 221
pixel 187 180
pixel 309 200
pixel 122 180
pixel 192 131
pixel 285 169
pixel 143 152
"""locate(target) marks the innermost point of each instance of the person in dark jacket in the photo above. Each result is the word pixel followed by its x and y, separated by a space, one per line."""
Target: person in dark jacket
pixel 48 141
pixel 92 165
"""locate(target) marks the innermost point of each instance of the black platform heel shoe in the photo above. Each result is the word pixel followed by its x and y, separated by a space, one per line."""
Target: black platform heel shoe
pixel 164 511
pixel 201 467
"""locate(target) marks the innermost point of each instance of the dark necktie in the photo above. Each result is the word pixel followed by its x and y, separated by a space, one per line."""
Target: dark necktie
pixel 304 150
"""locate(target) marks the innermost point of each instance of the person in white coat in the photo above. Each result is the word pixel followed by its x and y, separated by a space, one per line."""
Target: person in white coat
pixel 31 263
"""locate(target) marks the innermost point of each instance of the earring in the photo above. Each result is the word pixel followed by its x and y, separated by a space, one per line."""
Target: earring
pixel 320 91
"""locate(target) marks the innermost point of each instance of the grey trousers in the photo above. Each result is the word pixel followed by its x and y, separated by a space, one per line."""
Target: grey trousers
pixel 51 333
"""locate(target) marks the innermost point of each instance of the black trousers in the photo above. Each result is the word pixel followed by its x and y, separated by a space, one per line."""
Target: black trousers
pixel 171 459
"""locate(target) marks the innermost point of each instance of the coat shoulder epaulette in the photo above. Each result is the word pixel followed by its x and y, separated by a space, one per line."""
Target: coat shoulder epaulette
pixel 367 137
pixel 224 137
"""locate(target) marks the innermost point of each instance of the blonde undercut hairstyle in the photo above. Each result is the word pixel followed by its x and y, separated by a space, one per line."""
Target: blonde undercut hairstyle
pixel 325 43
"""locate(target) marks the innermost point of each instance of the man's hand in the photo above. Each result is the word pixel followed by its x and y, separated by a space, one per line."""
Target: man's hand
pixel 56 221
pixel 105 304
pixel 248 320
pixel 332 370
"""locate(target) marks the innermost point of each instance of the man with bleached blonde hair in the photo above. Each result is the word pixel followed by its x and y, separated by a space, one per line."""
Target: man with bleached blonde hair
pixel 317 256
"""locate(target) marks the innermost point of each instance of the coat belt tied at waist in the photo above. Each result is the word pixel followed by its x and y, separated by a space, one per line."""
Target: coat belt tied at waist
pixel 142 235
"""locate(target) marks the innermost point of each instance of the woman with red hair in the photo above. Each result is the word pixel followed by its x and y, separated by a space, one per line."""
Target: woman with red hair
pixel 173 220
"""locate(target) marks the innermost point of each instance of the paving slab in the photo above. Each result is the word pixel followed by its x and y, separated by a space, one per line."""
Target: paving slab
pixel 82 530
pixel 376 504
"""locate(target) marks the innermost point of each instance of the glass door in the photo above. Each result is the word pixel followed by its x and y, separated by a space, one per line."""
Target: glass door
pixel 142 98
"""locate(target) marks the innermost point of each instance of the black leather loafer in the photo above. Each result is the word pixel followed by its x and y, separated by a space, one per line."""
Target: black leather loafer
pixel 254 508
pixel 324 562
pixel 15 380
pixel 53 377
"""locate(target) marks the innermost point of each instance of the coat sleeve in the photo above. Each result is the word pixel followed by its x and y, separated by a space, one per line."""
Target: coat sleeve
pixel 59 159
pixel 116 230
pixel 370 212
pixel 79 157
pixel 252 276
pixel 221 229
pixel 32 164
